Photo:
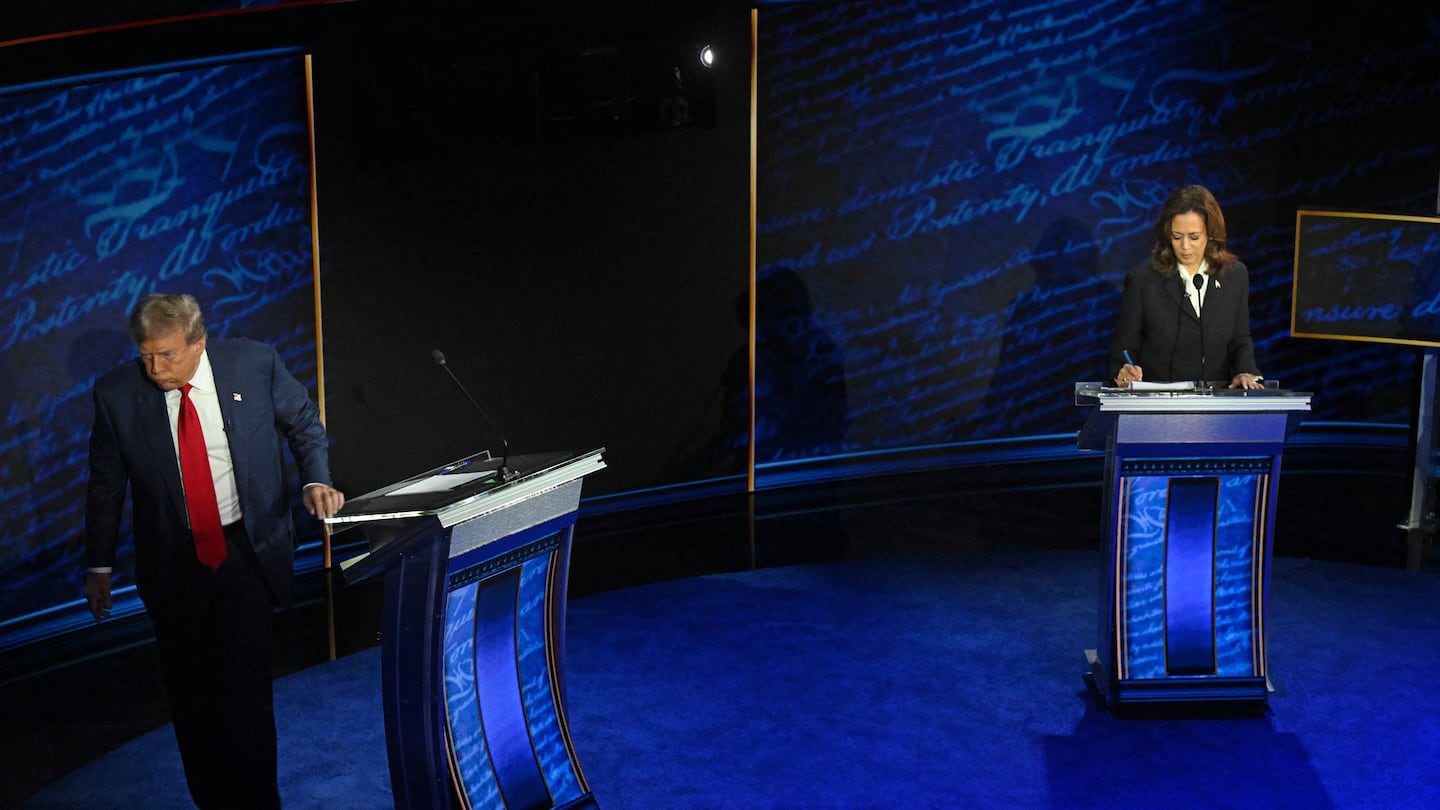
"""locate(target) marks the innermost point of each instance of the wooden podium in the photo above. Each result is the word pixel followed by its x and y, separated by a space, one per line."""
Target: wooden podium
pixel 1191 480
pixel 475 573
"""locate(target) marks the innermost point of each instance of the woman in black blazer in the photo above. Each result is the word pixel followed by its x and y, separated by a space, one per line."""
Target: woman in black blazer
pixel 1186 316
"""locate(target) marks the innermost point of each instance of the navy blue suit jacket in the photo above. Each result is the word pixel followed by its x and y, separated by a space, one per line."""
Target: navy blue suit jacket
pixel 1160 329
pixel 131 445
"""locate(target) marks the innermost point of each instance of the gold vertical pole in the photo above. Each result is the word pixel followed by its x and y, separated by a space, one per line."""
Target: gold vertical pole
pixel 319 343
pixel 750 445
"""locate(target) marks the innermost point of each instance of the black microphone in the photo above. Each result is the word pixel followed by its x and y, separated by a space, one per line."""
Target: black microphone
pixel 505 472
pixel 1199 281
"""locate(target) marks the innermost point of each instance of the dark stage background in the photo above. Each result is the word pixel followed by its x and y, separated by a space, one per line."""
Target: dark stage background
pixel 948 195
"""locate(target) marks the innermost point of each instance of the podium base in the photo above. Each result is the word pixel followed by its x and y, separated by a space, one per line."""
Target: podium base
pixel 1246 694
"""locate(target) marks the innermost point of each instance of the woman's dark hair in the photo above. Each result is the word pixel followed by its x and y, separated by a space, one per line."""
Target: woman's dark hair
pixel 1191 200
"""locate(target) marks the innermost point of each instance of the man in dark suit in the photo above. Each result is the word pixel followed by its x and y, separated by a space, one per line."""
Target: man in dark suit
pixel 210 583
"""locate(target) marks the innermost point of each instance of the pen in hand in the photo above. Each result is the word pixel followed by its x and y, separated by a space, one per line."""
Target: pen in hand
pixel 1124 379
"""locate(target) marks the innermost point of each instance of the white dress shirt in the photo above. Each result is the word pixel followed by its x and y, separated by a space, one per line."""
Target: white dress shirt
pixel 217 444
pixel 1196 297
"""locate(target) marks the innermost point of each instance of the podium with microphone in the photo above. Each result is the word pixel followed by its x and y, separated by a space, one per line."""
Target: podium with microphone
pixel 505 472
pixel 1191 482
pixel 475 558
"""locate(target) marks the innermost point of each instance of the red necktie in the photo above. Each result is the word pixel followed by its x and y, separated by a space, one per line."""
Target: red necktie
pixel 199 486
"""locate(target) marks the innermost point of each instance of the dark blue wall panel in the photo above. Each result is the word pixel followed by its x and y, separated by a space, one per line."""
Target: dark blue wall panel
pixel 193 179
pixel 958 188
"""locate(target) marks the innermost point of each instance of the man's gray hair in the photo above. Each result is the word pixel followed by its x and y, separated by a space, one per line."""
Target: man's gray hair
pixel 159 314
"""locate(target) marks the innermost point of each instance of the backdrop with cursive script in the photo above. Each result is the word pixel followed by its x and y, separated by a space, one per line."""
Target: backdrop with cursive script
pixel 1367 277
pixel 954 191
pixel 185 179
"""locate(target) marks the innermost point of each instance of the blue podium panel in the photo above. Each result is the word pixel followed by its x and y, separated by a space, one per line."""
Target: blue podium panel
pixel 1190 577
pixel 1190 488
pixel 1188 554
pixel 474 633
pixel 504 711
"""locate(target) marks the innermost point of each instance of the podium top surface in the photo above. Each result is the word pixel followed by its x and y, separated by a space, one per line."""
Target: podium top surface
pixel 468 487
pixel 1190 400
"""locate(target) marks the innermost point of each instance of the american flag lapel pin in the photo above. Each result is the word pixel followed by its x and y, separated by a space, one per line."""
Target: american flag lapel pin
pixel 1217 286
pixel 238 398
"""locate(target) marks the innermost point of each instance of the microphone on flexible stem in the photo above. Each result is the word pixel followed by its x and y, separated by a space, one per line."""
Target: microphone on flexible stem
pixel 505 472
pixel 1199 281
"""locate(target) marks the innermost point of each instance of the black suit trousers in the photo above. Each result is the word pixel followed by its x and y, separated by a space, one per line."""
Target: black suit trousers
pixel 213 630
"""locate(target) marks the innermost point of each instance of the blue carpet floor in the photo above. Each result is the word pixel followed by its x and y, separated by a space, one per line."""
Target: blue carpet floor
pixel 950 681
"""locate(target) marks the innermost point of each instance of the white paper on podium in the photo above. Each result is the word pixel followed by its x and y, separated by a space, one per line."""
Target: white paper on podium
pixel 1141 385
pixel 440 483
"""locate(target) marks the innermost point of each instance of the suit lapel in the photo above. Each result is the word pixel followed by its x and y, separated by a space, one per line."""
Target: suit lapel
pixel 224 380
pixel 1217 295
pixel 231 401
pixel 1175 288
pixel 154 424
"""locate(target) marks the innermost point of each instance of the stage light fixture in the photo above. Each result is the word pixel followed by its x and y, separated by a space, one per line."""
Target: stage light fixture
pixel 707 56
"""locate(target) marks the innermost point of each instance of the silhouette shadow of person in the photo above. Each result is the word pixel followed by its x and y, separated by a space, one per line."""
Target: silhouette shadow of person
pixel 801 404
pixel 1051 337
pixel 801 407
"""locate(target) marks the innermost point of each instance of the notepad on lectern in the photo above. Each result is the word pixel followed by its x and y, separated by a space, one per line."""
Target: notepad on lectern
pixel 443 482
pixel 1141 385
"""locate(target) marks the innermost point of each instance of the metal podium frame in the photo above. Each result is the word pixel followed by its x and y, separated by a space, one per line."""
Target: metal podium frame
pixel 1191 482
pixel 474 628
